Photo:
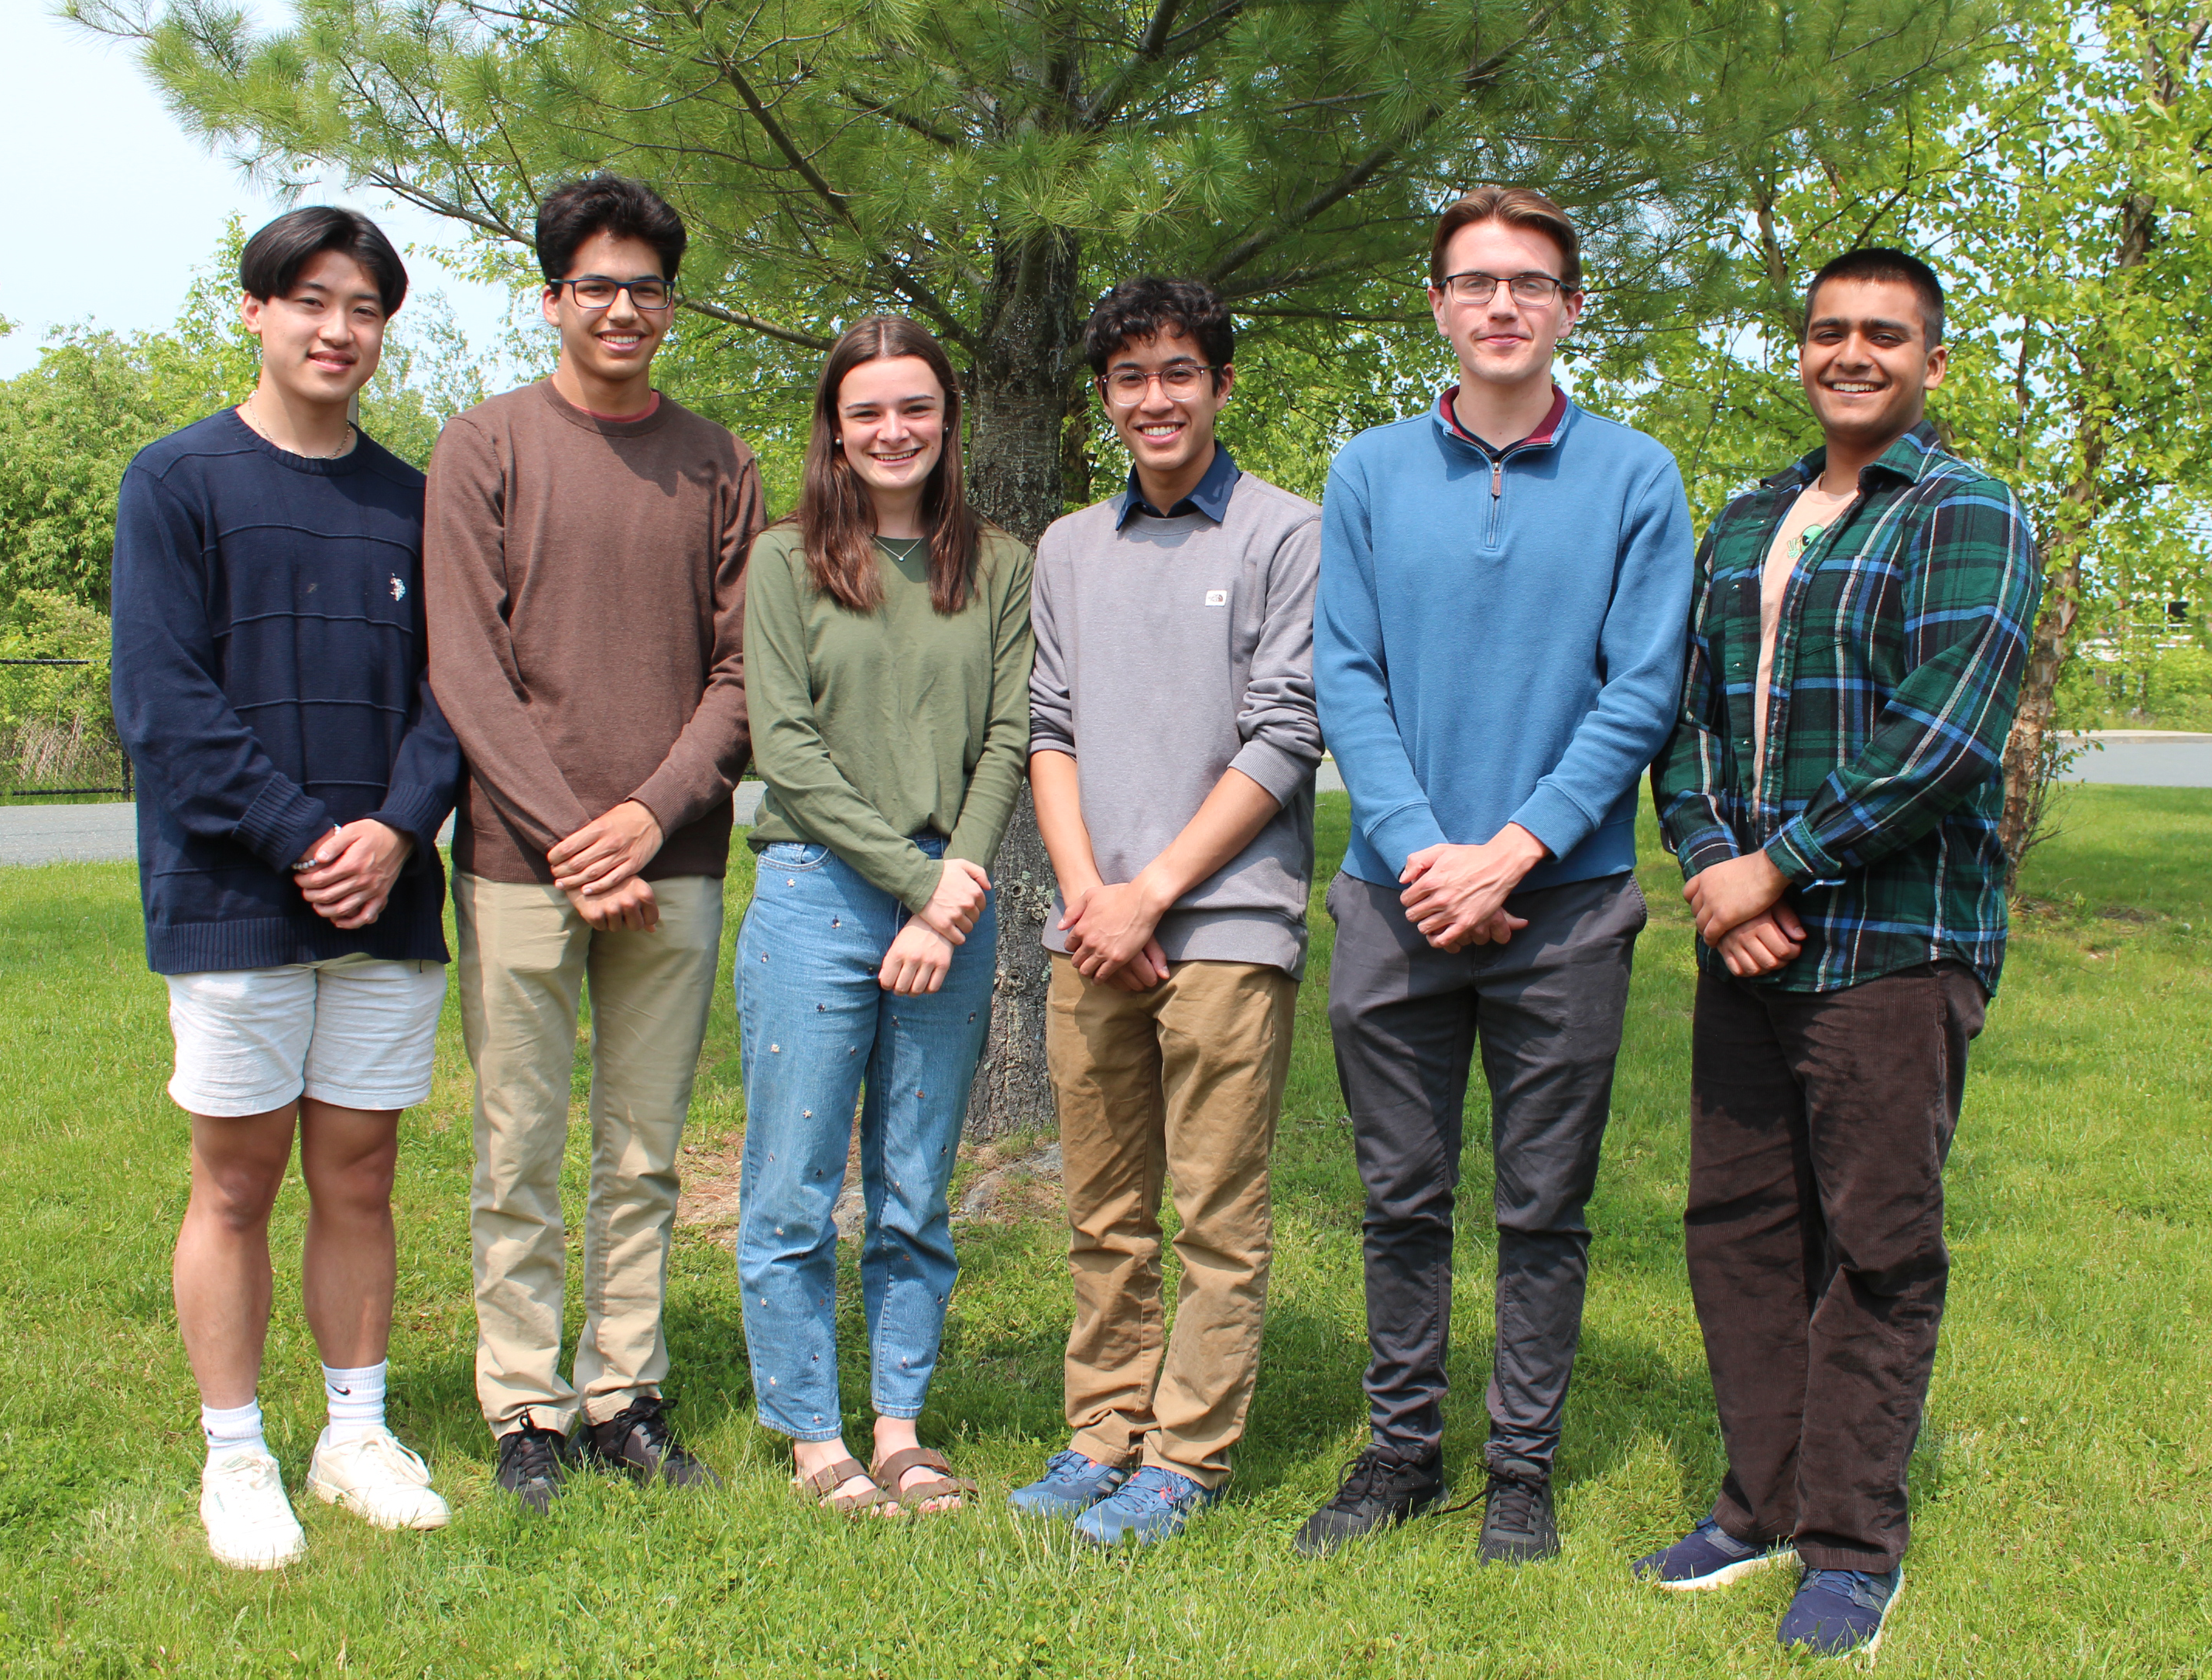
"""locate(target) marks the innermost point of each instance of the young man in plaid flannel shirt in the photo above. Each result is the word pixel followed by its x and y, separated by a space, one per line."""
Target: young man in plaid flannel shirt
pixel 1833 790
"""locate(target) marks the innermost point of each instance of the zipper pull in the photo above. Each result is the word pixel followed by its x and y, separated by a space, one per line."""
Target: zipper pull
pixel 1497 478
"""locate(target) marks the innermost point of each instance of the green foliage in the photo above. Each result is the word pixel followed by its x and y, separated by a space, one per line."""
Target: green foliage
pixel 70 423
pixel 989 167
pixel 2063 196
pixel 57 729
pixel 44 624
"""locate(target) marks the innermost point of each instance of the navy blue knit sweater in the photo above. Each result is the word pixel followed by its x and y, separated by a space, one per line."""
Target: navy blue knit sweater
pixel 270 683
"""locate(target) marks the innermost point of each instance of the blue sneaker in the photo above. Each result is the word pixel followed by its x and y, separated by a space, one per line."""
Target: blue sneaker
pixel 1071 1485
pixel 1840 1612
pixel 1707 1557
pixel 1153 1505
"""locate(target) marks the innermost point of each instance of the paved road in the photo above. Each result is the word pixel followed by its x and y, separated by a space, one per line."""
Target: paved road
pixel 107 833
pixel 2143 759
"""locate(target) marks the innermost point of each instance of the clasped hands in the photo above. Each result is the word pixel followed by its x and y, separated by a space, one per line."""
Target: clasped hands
pixel 598 868
pixel 346 877
pixel 1740 914
pixel 920 954
pixel 1110 932
pixel 1456 895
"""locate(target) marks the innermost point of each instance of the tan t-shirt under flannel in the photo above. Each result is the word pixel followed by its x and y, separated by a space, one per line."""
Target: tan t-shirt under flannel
pixel 1813 510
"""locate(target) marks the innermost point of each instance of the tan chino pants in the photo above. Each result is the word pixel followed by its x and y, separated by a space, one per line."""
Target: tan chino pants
pixel 1180 1085
pixel 525 955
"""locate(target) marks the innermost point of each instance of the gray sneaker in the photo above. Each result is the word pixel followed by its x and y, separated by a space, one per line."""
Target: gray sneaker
pixel 1517 1520
pixel 532 1463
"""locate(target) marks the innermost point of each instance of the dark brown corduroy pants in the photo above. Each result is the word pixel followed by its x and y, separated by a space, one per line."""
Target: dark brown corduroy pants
pixel 1819 1125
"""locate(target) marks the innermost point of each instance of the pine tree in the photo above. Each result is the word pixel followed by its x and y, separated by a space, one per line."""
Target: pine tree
pixel 989 166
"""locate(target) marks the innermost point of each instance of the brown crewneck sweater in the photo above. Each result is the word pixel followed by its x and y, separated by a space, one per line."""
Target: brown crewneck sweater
pixel 584 581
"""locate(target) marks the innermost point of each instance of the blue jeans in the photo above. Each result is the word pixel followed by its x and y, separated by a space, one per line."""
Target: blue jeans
pixel 814 1026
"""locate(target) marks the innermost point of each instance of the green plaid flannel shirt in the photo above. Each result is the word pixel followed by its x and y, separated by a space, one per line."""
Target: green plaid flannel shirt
pixel 1897 667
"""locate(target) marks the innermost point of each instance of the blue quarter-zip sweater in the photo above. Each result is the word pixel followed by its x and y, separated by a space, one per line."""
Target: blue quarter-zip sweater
pixel 1500 636
pixel 270 682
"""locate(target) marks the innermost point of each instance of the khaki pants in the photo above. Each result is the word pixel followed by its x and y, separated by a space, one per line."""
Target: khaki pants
pixel 1182 1085
pixel 524 956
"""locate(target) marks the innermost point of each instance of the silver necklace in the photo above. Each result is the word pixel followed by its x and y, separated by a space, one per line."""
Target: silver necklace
pixel 259 426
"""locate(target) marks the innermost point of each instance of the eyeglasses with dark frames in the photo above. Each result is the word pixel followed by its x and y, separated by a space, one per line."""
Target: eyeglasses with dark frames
pixel 1534 288
pixel 1178 379
pixel 597 291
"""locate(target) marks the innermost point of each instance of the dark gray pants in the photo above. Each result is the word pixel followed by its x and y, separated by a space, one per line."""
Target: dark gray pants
pixel 1406 1017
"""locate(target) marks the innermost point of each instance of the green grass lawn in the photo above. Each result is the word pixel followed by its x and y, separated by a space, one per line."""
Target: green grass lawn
pixel 2061 1489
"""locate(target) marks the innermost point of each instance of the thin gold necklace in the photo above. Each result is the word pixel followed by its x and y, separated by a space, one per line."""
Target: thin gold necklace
pixel 345 448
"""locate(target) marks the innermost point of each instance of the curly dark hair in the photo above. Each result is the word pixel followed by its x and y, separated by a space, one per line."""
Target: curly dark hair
pixel 612 204
pixel 1143 308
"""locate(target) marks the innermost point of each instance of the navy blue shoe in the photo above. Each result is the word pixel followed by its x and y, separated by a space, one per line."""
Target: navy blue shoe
pixel 1707 1557
pixel 1154 1504
pixel 1840 1612
pixel 1071 1485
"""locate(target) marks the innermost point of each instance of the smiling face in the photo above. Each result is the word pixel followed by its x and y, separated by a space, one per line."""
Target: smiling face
pixel 613 346
pixel 890 427
pixel 320 340
pixel 1168 435
pixel 1501 342
pixel 1866 361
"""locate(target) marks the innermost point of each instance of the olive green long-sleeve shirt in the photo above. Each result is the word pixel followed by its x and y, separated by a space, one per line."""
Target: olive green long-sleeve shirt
pixel 871 727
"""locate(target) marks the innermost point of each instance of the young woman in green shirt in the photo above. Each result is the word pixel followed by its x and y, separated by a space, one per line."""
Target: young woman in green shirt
pixel 887 671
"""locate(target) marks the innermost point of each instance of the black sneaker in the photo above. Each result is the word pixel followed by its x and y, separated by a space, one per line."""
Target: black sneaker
pixel 638 1439
pixel 1516 1519
pixel 1380 1489
pixel 531 1464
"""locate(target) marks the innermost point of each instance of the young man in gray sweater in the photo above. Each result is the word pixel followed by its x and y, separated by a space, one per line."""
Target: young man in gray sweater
pixel 1172 741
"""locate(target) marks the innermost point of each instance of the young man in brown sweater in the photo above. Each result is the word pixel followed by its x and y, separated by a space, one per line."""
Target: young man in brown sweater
pixel 584 553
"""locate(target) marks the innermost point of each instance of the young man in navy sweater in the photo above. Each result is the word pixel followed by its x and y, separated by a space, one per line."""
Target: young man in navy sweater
pixel 293 772
pixel 1498 651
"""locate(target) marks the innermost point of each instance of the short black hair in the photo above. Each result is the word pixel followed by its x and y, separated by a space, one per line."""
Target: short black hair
pixel 1881 261
pixel 612 204
pixel 269 265
pixel 1145 308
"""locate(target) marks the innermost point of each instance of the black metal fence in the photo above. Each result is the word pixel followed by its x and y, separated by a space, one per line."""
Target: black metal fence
pixel 57 737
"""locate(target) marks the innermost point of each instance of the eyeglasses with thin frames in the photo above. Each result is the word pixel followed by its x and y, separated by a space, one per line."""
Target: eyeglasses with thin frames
pixel 1125 386
pixel 597 291
pixel 1533 288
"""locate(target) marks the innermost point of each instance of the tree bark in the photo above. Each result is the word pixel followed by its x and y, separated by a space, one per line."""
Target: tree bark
pixel 2028 767
pixel 1019 395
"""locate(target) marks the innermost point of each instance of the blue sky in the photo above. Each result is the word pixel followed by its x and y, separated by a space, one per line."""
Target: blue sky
pixel 120 205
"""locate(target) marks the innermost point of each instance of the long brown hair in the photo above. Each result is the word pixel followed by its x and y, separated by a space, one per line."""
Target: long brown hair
pixel 837 517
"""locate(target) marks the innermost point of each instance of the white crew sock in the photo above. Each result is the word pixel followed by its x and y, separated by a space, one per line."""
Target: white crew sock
pixel 231 1428
pixel 355 1399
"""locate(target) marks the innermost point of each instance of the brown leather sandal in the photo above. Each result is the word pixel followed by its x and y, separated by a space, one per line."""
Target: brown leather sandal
pixel 891 1469
pixel 822 1486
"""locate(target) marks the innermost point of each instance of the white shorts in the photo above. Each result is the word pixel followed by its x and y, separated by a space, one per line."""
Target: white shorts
pixel 356 1031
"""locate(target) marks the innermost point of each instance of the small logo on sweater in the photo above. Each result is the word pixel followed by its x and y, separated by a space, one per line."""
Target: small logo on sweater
pixel 398 590
pixel 1217 597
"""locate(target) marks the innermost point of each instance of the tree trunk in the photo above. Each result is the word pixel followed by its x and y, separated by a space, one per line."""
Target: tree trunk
pixel 1017 395
pixel 2029 766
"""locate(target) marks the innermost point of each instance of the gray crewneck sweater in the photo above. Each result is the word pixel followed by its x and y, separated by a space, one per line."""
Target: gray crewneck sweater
pixel 1169 650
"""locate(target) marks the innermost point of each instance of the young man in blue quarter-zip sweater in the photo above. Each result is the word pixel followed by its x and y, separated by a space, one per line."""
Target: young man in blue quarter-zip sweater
pixel 1498 654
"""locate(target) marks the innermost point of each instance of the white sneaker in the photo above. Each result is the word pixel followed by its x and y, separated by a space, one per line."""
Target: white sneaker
pixel 373 1476
pixel 250 1524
